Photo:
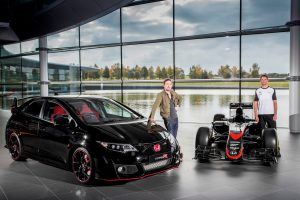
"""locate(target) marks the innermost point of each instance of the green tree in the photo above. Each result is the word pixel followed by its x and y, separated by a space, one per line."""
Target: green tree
pixel 235 72
pixel 164 73
pixel 254 71
pixel 158 72
pixel 116 71
pixel 144 72
pixel 225 71
pixel 131 74
pixel 179 73
pixel 137 72
pixel 106 72
pixel 170 72
pixel 151 73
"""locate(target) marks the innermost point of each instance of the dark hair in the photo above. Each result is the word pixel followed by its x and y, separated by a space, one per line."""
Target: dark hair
pixel 167 79
pixel 264 75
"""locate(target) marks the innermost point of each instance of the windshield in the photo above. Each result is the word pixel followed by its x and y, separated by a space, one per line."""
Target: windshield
pixel 94 111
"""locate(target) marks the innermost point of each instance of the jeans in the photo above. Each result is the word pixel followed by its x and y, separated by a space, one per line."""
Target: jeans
pixel 171 125
pixel 266 120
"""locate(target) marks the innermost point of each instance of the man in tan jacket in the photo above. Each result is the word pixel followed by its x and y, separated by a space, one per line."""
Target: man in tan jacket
pixel 168 101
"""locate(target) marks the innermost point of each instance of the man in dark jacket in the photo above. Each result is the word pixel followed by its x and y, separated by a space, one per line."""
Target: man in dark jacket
pixel 168 101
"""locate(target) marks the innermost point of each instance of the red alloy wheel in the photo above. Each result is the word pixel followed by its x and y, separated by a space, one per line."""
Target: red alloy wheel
pixel 82 165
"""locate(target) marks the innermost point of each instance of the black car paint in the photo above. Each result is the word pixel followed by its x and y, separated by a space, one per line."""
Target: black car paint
pixel 53 144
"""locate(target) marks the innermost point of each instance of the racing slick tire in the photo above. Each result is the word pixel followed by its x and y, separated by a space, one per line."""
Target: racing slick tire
pixel 270 141
pixel 202 140
pixel 218 117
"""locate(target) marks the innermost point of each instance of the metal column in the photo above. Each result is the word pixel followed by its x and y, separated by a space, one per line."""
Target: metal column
pixel 294 81
pixel 43 66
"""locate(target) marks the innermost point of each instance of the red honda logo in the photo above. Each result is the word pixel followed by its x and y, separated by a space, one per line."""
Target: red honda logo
pixel 156 147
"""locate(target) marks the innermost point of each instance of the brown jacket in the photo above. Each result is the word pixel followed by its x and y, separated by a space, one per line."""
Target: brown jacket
pixel 163 102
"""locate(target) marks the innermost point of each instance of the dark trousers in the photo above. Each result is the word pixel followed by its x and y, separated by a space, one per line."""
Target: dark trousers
pixel 172 125
pixel 266 121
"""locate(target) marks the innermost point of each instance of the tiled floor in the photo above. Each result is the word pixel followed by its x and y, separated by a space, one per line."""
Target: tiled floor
pixel 192 180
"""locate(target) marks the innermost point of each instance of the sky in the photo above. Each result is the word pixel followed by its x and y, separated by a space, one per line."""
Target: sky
pixel 192 17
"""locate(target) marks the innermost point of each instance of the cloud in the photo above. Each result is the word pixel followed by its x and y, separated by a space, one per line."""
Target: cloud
pixel 263 13
pixel 197 17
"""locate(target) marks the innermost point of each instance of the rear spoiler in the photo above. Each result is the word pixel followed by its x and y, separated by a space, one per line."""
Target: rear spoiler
pixel 248 105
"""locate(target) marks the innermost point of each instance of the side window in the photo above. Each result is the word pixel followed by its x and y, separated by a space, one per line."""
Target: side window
pixel 53 110
pixel 34 108
pixel 115 110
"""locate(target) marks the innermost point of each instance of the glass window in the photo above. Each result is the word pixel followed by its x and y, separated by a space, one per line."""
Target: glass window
pixel 101 64
pixel 31 89
pixel 266 53
pixel 64 66
pixel 113 110
pixel 206 70
pixel 193 17
pixel 215 58
pixel 10 49
pixel 64 88
pixel 34 108
pixel 148 21
pixel 145 68
pixel 148 62
pixel 31 68
pixel 53 110
pixel 29 46
pixel 104 30
pixel 11 70
pixel 265 13
pixel 69 38
pixel 110 89
pixel 9 93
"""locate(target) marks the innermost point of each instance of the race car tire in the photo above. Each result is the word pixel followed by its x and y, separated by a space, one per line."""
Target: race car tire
pixel 218 117
pixel 202 140
pixel 270 140
pixel 202 137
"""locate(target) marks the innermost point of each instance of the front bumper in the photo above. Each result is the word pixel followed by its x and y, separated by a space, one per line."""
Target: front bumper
pixel 135 167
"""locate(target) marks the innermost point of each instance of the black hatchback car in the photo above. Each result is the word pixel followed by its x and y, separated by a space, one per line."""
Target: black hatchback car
pixel 92 137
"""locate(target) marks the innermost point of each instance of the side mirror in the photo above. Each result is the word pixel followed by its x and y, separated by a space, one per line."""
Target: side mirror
pixel 61 120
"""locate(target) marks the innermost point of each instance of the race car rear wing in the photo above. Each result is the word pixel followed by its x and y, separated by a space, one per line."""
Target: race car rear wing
pixel 247 105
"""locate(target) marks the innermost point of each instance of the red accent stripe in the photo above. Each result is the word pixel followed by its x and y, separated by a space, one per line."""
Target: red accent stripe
pixel 235 157
pixel 236 136
pixel 140 177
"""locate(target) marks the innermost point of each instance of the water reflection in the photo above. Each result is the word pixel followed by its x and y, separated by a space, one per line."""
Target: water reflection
pixel 199 106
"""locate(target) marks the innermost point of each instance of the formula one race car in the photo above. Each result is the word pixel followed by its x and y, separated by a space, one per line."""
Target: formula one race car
pixel 237 138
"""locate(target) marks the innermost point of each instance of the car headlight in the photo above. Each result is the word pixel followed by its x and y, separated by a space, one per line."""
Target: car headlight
pixel 172 139
pixel 122 148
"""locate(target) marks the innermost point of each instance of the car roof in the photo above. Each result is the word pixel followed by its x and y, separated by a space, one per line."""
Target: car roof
pixel 65 98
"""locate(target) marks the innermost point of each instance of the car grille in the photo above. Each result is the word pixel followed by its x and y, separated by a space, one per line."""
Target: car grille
pixel 156 165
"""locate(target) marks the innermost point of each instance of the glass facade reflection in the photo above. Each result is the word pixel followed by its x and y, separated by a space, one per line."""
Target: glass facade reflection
pixel 193 17
pixel 104 30
pixel 148 21
pixel 205 46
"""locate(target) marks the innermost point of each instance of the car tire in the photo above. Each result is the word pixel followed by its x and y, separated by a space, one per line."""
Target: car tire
pixel 202 139
pixel 83 166
pixel 15 147
pixel 218 117
pixel 270 140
